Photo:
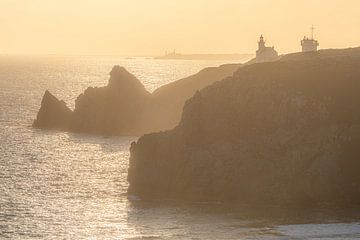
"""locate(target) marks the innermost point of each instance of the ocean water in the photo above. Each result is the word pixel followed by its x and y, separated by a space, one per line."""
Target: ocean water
pixel 56 185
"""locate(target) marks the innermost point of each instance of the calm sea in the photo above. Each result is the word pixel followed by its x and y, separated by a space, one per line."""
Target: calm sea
pixel 56 185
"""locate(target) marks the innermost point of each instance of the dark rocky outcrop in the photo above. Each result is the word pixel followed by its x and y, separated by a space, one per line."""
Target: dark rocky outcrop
pixel 124 107
pixel 116 109
pixel 284 133
pixel 53 113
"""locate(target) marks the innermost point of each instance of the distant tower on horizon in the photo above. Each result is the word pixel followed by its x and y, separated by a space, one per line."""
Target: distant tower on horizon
pixel 309 44
pixel 265 54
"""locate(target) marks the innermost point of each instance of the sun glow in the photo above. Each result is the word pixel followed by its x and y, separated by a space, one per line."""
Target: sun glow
pixel 142 27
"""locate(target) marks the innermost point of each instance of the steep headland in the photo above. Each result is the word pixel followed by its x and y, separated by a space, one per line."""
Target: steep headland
pixel 124 107
pixel 167 102
pixel 284 133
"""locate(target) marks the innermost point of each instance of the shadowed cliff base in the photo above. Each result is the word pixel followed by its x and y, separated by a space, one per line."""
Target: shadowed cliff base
pixel 280 133
pixel 124 107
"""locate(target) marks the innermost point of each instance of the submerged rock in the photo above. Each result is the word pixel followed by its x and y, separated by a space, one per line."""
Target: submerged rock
pixel 283 133
pixel 53 113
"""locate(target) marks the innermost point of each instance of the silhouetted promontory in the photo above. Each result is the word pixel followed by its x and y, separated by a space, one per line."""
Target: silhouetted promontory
pixel 124 106
pixel 283 133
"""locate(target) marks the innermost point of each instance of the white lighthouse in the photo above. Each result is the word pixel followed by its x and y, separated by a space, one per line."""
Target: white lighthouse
pixel 265 54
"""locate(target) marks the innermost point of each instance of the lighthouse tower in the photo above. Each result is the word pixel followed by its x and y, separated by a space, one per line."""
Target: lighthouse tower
pixel 309 44
pixel 261 43
pixel 265 54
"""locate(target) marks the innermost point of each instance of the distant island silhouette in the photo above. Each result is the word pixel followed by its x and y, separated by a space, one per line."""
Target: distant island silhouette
pixel 225 57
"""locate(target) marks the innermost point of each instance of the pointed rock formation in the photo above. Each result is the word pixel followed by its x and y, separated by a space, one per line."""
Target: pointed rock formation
pixel 112 110
pixel 53 113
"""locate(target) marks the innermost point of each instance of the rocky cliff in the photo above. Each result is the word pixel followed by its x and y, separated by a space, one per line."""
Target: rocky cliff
pixel 124 107
pixel 167 102
pixel 285 133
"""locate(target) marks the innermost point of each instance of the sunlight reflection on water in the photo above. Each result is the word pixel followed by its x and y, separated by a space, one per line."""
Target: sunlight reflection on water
pixel 56 185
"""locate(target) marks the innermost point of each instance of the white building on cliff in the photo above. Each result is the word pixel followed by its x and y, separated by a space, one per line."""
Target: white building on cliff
pixel 309 44
pixel 265 54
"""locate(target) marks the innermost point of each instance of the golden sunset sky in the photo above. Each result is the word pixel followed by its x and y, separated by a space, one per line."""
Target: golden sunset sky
pixel 150 27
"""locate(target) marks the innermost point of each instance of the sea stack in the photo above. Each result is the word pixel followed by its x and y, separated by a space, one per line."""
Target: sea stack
pixel 53 113
pixel 115 109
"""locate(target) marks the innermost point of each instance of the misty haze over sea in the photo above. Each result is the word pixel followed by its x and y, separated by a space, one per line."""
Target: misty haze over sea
pixel 73 186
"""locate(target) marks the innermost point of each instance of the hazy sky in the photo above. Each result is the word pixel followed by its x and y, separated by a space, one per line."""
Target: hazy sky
pixel 149 27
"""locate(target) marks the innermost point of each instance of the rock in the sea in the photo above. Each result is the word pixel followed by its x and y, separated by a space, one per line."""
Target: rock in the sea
pixel 116 109
pixel 53 113
pixel 124 107
pixel 284 133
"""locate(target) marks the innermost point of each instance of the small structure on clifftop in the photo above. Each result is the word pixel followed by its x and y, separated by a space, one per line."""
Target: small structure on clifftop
pixel 265 54
pixel 309 44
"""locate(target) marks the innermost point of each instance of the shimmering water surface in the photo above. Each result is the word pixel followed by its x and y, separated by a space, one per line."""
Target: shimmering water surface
pixel 56 185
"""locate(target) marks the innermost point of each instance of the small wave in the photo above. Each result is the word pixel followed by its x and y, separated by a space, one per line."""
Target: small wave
pixel 133 198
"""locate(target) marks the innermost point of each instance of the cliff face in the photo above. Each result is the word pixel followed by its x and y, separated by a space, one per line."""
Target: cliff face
pixel 285 132
pixel 124 107
pixel 167 102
